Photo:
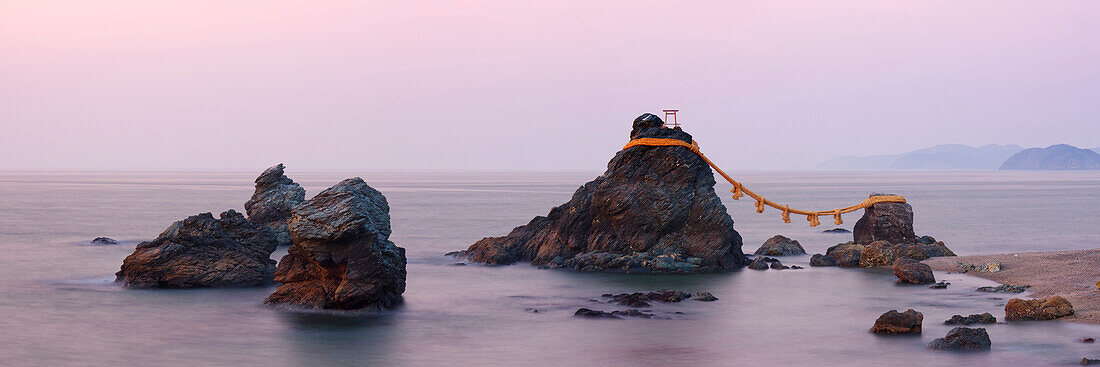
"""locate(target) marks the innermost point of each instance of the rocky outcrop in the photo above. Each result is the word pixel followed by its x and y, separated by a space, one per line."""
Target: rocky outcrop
pixel 894 322
pixel 846 255
pixel 202 251
pixel 1054 157
pixel 779 245
pixel 985 318
pixel 597 314
pixel 822 260
pixel 836 230
pixel 342 257
pixel 272 201
pixel 963 339
pixel 913 272
pixel 890 222
pixel 1038 309
pixel 641 299
pixel 653 210
pixel 882 253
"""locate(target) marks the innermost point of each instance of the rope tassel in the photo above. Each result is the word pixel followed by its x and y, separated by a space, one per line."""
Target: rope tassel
pixel 759 206
pixel 812 218
pixel 736 190
pixel 836 218
pixel 787 214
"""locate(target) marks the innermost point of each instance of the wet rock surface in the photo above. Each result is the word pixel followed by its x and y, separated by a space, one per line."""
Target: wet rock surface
pixel 822 260
pixel 985 318
pixel 913 272
pixel 272 201
pixel 653 211
pixel 342 257
pixel 894 322
pixel 836 230
pixel 597 314
pixel 779 245
pixel 890 222
pixel 103 241
pixel 883 253
pixel 1005 288
pixel 846 255
pixel 963 339
pixel 202 251
pixel 642 299
pixel 1038 309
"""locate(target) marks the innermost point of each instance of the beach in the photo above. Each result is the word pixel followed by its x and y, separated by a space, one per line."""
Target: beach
pixel 1071 274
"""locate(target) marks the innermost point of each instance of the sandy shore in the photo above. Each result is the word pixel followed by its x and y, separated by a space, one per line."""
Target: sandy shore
pixel 1071 274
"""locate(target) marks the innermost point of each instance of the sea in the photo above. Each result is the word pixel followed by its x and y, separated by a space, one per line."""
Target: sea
pixel 60 306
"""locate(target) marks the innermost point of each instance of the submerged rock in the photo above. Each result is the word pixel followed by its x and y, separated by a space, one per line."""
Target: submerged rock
pixel 201 251
pixel 940 285
pixel 103 241
pixel 761 263
pixel 704 297
pixel 1089 362
pixel 913 272
pixel 779 245
pixel 963 339
pixel 272 201
pixel 342 257
pixel 836 230
pixel 1038 309
pixel 882 253
pixel 651 202
pixel 985 318
pixel 894 322
pixel 822 260
pixel 890 222
pixel 641 299
pixel 590 313
pixel 1005 288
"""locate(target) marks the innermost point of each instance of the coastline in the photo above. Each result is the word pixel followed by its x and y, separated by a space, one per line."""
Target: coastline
pixel 1071 274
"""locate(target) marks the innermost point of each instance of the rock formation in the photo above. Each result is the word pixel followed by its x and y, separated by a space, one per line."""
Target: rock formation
pixel 845 255
pixel 342 257
pixel 780 246
pixel 894 322
pixel 653 210
pixel 103 241
pixel 913 272
pixel 272 201
pixel 201 251
pixel 890 222
pixel 822 260
pixel 985 318
pixel 882 253
pixel 1038 309
pixel 963 339
pixel 1054 157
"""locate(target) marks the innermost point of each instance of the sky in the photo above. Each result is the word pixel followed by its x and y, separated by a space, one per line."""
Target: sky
pixel 532 85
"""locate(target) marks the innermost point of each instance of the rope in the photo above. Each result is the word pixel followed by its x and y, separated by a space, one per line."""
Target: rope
pixel 740 190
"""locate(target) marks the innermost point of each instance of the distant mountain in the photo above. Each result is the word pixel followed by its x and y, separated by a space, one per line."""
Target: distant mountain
pixel 949 156
pixel 1054 157
pixel 1096 150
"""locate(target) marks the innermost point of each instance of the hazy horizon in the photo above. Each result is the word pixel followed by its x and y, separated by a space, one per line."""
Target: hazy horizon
pixel 484 85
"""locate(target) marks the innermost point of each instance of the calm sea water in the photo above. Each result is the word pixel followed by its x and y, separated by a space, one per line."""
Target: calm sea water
pixel 59 306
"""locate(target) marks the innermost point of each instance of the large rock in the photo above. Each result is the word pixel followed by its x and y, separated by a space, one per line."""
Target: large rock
pixel 894 322
pixel 890 222
pixel 845 255
pixel 882 253
pixel 272 201
pixel 779 245
pixel 913 272
pixel 963 339
pixel 342 257
pixel 202 251
pixel 1038 309
pixel 653 210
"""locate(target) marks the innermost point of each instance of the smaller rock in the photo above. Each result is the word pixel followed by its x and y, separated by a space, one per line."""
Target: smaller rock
pixel 894 322
pixel 104 241
pixel 1005 288
pixel 1038 309
pixel 963 339
pixel 586 312
pixel 796 267
pixel 985 318
pixel 846 254
pixel 458 264
pixel 940 285
pixel 990 267
pixel 780 246
pixel 1088 340
pixel 1087 362
pixel 640 299
pixel 836 230
pixel 913 272
pixel 779 266
pixel 759 263
pixel 822 260
pixel 704 296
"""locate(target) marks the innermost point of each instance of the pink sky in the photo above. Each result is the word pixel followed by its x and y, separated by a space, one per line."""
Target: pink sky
pixel 525 85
